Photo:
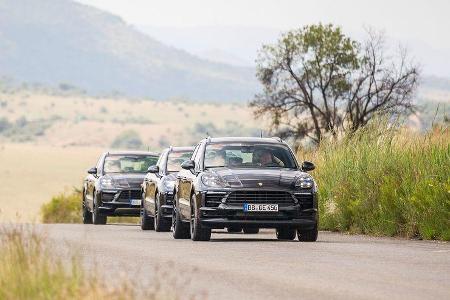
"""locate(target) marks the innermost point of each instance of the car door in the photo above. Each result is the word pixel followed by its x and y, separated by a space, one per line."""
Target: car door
pixel 152 184
pixel 91 181
pixel 188 177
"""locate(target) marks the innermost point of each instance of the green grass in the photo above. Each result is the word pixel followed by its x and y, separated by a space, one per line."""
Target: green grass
pixel 385 181
pixel 63 208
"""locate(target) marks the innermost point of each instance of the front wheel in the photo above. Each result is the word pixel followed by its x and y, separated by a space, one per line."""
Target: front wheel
pixel 86 214
pixel 146 221
pixel 308 235
pixel 198 232
pixel 97 218
pixel 160 223
pixel 180 229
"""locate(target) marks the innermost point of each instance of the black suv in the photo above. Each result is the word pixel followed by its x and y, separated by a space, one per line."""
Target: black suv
pixel 158 187
pixel 246 183
pixel 113 187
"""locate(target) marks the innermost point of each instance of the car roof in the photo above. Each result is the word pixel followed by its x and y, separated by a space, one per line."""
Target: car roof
pixel 272 140
pixel 131 152
pixel 184 148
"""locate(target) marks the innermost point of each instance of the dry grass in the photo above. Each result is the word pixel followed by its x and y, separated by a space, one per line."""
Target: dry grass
pixel 28 270
pixel 85 121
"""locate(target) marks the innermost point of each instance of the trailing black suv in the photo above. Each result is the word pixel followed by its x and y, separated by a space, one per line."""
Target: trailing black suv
pixel 246 183
pixel 158 187
pixel 113 186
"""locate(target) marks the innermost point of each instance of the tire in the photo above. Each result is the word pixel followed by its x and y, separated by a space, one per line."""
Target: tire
pixel 147 222
pixel 198 232
pixel 97 218
pixel 308 235
pixel 180 230
pixel 234 229
pixel 251 230
pixel 86 214
pixel 286 234
pixel 160 224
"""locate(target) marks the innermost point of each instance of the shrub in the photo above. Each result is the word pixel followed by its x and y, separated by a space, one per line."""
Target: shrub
pixel 386 181
pixel 63 208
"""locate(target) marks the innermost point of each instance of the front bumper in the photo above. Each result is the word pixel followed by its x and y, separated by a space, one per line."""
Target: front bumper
pixel 293 215
pixel 120 202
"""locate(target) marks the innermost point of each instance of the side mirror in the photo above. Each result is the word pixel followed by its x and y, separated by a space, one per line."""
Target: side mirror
pixel 188 165
pixel 307 166
pixel 153 169
pixel 92 171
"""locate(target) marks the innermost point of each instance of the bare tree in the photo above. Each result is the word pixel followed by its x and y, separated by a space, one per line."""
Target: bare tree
pixel 317 81
pixel 381 85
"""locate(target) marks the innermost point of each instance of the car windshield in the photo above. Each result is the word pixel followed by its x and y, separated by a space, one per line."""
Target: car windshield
pixel 128 163
pixel 248 156
pixel 176 158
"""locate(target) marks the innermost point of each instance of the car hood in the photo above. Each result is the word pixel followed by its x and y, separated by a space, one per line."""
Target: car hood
pixel 259 178
pixel 131 180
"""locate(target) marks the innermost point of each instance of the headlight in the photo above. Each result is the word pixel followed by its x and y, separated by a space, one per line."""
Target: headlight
pixel 213 180
pixel 304 182
pixel 107 182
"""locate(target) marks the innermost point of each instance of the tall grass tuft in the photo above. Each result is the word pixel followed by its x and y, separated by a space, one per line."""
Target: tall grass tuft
pixel 29 271
pixel 385 180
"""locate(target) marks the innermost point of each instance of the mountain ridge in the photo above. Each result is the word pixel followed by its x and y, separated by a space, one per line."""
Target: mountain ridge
pixel 56 41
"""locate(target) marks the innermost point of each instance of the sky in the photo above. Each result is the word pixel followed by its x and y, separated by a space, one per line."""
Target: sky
pixel 424 24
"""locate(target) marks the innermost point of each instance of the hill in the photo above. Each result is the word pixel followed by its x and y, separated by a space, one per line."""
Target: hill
pixel 50 42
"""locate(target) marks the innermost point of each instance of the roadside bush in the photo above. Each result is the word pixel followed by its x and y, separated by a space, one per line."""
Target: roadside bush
pixel 63 208
pixel 385 181
pixel 129 139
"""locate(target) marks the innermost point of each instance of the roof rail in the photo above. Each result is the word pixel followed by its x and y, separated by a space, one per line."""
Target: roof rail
pixel 277 138
pixel 208 139
pixel 170 148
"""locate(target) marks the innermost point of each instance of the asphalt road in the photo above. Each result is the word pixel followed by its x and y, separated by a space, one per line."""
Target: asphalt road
pixel 238 266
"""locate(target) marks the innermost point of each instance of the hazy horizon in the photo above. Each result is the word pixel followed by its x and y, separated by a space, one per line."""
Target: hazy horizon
pixel 232 31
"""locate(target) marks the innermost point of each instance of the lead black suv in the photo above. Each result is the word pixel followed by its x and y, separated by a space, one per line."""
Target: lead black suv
pixel 113 186
pixel 247 183
pixel 158 187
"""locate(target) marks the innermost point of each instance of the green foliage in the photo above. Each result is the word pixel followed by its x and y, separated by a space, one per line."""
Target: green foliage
pixel 63 208
pixel 319 82
pixel 129 139
pixel 386 181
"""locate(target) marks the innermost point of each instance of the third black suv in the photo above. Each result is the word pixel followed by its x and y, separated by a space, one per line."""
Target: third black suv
pixel 158 187
pixel 246 183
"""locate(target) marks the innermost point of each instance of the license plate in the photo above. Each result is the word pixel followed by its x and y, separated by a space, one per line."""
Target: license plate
pixel 260 207
pixel 136 202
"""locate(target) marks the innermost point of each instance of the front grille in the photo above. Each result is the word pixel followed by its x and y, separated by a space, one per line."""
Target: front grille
pixel 127 195
pixel 108 197
pixel 169 198
pixel 213 199
pixel 306 200
pixel 275 197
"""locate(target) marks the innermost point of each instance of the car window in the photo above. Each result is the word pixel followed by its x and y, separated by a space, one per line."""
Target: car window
pixel 243 155
pixel 176 158
pixel 128 163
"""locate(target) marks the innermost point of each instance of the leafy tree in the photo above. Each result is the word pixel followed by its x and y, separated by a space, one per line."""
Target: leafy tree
pixel 317 81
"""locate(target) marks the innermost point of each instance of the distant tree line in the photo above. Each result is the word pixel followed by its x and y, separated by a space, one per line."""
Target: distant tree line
pixel 319 82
